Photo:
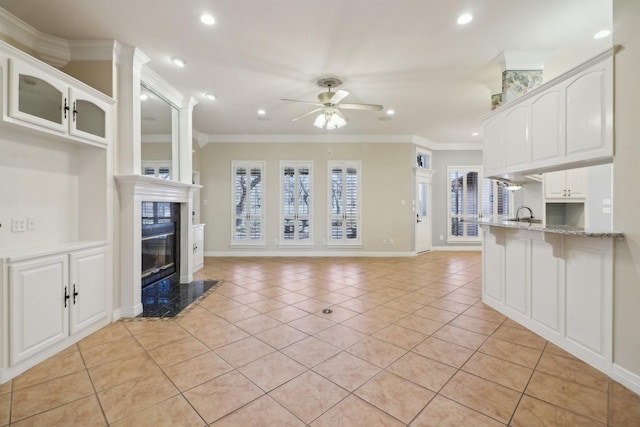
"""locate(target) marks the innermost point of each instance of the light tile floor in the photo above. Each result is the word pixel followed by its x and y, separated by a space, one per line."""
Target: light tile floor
pixel 408 343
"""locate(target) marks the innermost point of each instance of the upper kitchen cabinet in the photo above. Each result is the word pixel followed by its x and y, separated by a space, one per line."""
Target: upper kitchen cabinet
pixel 493 151
pixel 516 137
pixel 589 113
pixel 565 123
pixel 566 184
pixel 43 98
pixel 546 118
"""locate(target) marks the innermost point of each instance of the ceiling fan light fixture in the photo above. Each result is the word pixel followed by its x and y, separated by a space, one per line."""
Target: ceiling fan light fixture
pixel 335 122
pixel 320 121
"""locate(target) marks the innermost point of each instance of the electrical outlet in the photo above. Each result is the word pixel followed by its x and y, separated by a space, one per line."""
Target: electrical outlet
pixel 31 224
pixel 391 241
pixel 441 237
pixel 18 225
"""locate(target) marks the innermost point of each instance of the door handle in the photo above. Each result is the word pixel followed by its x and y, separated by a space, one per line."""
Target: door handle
pixel 75 294
pixel 66 296
pixel 418 218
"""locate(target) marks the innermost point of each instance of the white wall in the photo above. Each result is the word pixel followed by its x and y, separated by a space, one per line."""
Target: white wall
pixel 626 328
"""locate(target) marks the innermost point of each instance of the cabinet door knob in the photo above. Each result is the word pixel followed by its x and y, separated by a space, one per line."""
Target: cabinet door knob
pixel 66 296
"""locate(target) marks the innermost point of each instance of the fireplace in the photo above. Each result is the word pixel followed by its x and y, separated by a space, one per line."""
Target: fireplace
pixel 134 190
pixel 160 237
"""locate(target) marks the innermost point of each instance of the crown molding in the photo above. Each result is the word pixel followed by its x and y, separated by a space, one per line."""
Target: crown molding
pixel 54 51
pixel 93 50
pixel 305 138
pixel 203 139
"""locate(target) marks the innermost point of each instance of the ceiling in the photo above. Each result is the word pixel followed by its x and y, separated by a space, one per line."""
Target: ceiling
pixel 408 55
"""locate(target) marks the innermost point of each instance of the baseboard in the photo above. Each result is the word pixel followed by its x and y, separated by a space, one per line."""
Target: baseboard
pixel 460 248
pixel 116 315
pixel 626 378
pixel 303 253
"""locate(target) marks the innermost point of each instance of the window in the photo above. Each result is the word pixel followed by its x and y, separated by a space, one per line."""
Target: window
pixel 344 203
pixel 156 212
pixel 296 197
pixel 496 200
pixel 423 160
pixel 159 169
pixel 248 203
pixel 465 193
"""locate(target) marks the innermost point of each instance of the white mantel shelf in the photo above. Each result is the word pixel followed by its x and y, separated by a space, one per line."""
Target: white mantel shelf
pixel 151 186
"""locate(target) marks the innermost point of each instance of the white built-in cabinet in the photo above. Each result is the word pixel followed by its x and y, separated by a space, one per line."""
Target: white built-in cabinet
pixel 55 156
pixel 40 99
pixel 571 184
pixel 53 297
pixel 566 121
pixel 198 247
pixel 559 286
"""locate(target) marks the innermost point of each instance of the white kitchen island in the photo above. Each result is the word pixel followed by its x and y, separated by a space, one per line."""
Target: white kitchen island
pixel 557 281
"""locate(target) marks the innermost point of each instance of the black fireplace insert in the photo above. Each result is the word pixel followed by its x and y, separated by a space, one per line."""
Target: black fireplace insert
pixel 160 242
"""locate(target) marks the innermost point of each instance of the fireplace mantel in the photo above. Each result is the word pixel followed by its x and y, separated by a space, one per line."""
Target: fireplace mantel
pixel 133 190
pixel 150 186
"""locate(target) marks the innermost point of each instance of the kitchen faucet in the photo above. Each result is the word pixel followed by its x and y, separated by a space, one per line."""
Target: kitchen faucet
pixel 524 207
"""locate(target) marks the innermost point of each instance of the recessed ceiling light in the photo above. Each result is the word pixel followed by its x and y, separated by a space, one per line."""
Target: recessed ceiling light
pixel 475 134
pixel 465 18
pixel 261 112
pixel 390 112
pixel 178 61
pixel 210 96
pixel 601 34
pixel 207 19
pixel 144 97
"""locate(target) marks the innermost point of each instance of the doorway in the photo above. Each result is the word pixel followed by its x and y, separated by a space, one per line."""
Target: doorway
pixel 423 211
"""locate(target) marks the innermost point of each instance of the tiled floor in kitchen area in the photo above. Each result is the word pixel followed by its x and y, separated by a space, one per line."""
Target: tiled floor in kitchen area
pixel 408 342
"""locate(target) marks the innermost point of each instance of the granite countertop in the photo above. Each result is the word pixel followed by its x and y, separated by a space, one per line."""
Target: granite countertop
pixel 557 229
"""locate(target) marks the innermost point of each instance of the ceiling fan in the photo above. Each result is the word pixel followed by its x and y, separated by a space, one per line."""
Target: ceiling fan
pixel 330 117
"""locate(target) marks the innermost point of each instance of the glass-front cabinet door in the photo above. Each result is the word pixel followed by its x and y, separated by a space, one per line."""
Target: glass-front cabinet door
pixel 88 116
pixel 296 189
pixel 37 97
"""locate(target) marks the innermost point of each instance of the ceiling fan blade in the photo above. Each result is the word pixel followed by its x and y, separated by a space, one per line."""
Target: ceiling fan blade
pixel 302 102
pixel 308 113
pixel 373 107
pixel 338 96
